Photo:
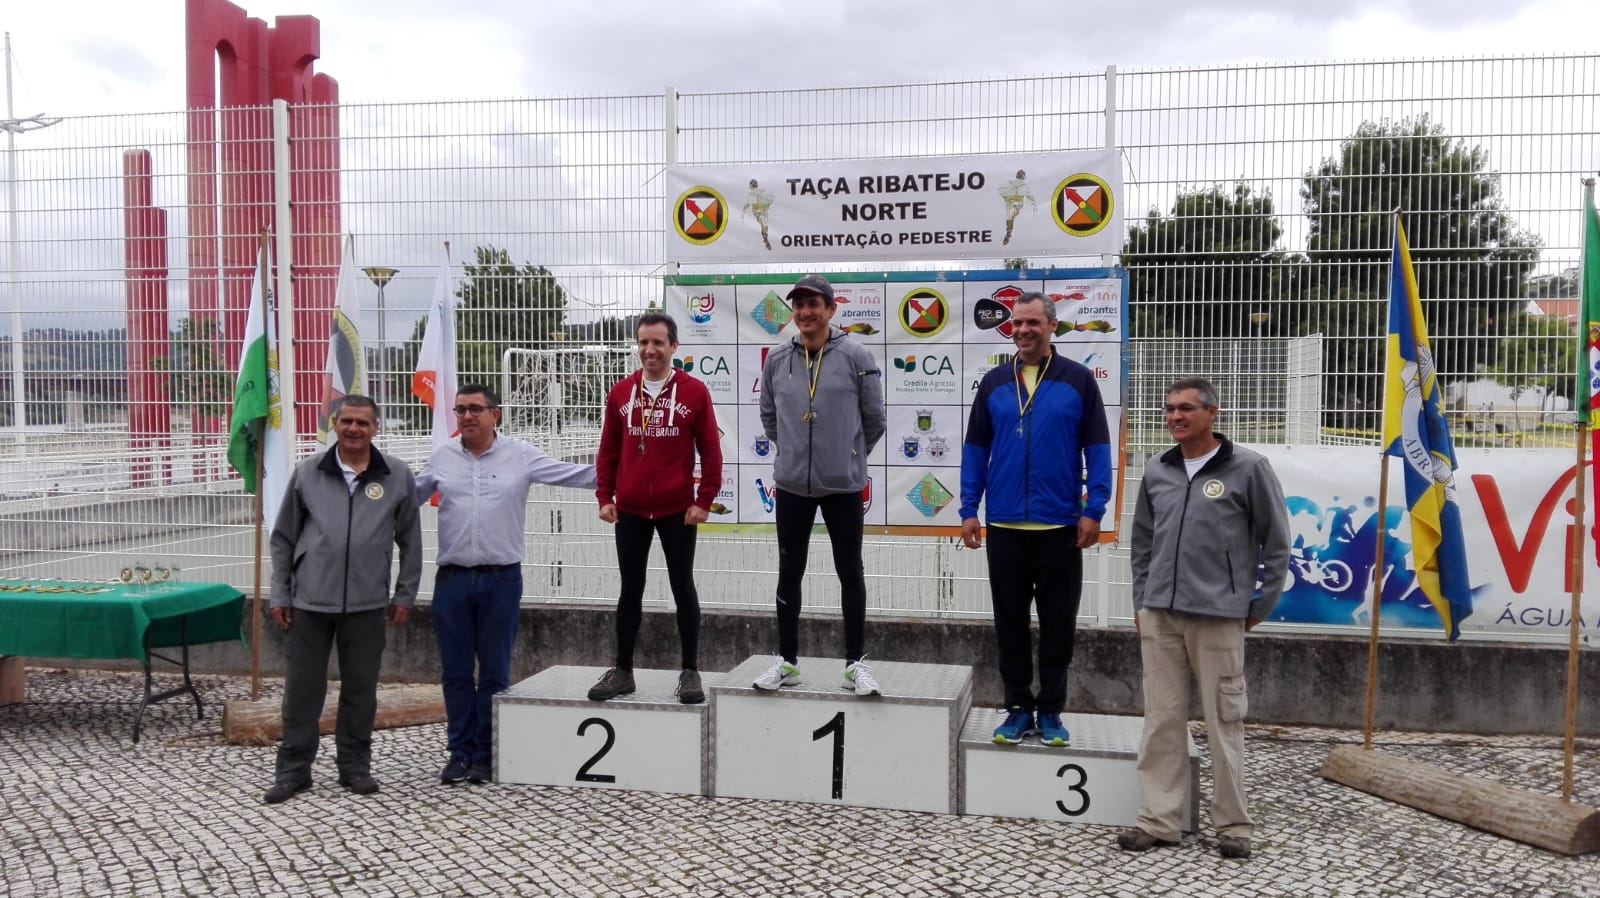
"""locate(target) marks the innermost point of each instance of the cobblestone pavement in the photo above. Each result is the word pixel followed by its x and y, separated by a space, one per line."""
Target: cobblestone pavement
pixel 84 811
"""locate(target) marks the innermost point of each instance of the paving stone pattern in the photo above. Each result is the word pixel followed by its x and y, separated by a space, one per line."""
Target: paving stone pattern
pixel 85 812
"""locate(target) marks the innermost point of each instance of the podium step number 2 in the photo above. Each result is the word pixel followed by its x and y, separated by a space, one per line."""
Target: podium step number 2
pixel 548 733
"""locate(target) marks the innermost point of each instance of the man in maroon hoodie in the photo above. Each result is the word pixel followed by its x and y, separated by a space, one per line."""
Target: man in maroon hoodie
pixel 656 419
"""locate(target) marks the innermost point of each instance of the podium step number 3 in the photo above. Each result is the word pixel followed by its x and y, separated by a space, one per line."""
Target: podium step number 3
pixel 548 733
pixel 1093 780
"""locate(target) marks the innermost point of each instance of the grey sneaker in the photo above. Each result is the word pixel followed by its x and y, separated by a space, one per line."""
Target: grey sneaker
pixel 858 677
pixel 1235 847
pixel 613 683
pixel 781 673
pixel 689 690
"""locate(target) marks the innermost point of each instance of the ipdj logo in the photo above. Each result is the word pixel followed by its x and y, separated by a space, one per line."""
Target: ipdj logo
pixel 700 307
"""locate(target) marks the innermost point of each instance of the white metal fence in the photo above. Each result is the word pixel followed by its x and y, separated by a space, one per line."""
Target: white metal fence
pixel 1256 200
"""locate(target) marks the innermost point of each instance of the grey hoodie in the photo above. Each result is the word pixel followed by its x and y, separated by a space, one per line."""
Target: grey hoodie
pixel 827 454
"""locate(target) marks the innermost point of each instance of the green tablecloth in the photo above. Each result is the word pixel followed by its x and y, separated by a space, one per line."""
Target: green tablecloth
pixel 59 619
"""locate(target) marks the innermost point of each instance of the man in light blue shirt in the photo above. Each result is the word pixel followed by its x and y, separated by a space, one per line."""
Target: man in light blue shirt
pixel 482 478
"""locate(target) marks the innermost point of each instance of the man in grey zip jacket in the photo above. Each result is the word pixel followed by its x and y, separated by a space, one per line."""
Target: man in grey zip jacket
pixel 343 514
pixel 1209 514
pixel 822 404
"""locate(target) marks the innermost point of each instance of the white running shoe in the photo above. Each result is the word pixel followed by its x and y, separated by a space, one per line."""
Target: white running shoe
pixel 858 677
pixel 781 673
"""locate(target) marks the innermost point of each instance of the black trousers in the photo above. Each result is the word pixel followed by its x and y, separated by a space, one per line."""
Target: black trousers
pixel 1028 568
pixel 633 533
pixel 312 635
pixel 842 515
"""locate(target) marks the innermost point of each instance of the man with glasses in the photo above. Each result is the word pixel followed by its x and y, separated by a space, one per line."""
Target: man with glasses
pixel 482 478
pixel 1036 441
pixel 1209 513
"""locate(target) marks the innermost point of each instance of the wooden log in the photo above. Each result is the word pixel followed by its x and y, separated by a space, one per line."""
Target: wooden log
pixel 1540 820
pixel 12 679
pixel 260 722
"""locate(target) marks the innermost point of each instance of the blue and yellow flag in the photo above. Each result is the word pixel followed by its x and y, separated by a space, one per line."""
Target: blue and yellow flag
pixel 1414 431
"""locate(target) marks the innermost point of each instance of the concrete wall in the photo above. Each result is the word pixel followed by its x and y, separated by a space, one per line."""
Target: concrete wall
pixel 1314 680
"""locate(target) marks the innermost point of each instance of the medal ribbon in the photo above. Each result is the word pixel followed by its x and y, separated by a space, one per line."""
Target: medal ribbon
pixel 811 395
pixel 1022 409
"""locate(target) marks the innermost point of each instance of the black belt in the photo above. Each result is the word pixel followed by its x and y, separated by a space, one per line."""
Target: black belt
pixel 478 568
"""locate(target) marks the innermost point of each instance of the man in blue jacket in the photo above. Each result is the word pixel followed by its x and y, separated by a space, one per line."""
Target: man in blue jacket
pixel 1036 440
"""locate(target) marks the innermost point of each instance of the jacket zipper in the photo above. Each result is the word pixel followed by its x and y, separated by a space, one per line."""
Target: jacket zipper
pixel 1183 519
pixel 349 526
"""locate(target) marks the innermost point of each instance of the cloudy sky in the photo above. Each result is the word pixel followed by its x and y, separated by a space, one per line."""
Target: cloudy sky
pixel 83 57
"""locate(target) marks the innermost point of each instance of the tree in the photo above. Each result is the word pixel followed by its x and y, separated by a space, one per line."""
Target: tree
pixel 1472 261
pixel 1537 352
pixel 1211 268
pixel 503 306
pixel 197 380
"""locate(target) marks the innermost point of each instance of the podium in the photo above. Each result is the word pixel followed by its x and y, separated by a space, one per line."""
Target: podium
pixel 920 746
pixel 818 742
pixel 1093 780
pixel 548 733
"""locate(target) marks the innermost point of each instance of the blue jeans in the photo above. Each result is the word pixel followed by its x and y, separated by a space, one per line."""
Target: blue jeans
pixel 475 613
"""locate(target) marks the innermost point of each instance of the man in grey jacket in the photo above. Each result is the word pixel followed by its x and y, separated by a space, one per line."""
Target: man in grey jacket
pixel 1209 515
pixel 822 404
pixel 343 514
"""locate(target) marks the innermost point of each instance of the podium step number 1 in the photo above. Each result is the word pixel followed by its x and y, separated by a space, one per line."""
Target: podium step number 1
pixel 817 742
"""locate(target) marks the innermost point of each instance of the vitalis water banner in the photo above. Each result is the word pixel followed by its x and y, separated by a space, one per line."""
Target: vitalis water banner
pixel 930 207
pixel 1516 518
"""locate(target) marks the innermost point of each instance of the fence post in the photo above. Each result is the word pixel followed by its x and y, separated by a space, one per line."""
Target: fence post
pixel 283 233
pixel 1110 259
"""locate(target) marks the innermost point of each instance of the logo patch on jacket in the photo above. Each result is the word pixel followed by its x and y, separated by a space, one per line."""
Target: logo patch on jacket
pixel 374 491
pixel 1213 489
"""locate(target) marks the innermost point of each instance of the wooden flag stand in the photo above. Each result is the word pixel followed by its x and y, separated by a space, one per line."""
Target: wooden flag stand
pixel 1554 824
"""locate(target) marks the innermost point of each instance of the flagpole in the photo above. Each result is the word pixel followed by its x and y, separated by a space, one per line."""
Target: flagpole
pixel 1577 608
pixel 1377 602
pixel 1578 510
pixel 261 441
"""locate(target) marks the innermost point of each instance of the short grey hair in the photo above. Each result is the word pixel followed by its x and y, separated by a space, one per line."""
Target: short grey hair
pixel 1036 296
pixel 1208 393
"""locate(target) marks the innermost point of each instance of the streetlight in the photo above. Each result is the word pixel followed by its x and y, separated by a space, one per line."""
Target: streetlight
pixel 381 276
pixel 14 126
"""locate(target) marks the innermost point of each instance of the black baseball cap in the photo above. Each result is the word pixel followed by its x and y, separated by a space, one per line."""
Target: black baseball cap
pixel 813 283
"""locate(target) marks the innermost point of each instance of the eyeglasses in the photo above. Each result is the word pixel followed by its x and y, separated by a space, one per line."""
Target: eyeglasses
pixel 465 410
pixel 1188 408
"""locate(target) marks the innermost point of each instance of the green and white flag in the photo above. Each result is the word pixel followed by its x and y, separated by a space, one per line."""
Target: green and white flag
pixel 257 401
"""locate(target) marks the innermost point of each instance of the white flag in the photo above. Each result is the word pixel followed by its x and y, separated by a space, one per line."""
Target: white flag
pixel 257 397
pixel 435 379
pixel 346 371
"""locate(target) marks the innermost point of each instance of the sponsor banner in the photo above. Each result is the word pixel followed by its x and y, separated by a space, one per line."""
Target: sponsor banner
pixel 724 508
pixel 926 435
pixel 931 207
pixel 704 314
pixel 923 496
pixel 714 366
pixel 1086 309
pixel 860 311
pixel 919 328
pixel 1516 518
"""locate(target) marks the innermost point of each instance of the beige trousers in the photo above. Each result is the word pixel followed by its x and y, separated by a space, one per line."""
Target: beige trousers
pixel 1171 645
